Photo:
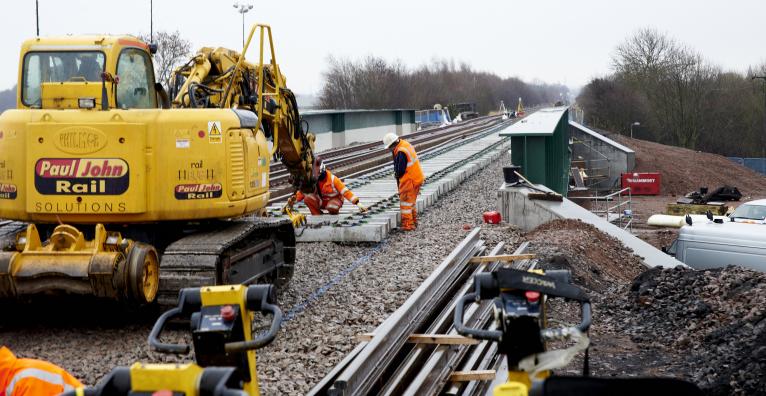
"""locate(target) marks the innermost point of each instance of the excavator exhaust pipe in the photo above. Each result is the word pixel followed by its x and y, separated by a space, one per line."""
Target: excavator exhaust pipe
pixel 108 266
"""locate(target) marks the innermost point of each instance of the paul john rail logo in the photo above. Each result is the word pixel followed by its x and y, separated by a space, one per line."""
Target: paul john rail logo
pixel 81 176
pixel 198 191
pixel 8 191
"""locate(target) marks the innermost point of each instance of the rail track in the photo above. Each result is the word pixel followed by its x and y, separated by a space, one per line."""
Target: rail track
pixel 361 158
pixel 393 361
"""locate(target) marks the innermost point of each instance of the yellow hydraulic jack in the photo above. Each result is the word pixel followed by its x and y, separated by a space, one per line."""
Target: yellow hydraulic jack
pixel 519 299
pixel 224 347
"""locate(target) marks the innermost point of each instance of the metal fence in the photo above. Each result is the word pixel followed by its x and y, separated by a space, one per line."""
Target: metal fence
pixel 616 207
pixel 756 164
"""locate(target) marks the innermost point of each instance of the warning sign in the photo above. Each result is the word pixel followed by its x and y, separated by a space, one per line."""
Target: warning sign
pixel 214 132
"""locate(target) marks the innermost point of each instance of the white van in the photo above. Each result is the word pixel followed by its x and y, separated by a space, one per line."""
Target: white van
pixel 706 245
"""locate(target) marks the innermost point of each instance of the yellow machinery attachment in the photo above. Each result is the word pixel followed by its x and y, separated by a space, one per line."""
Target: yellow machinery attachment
pixel 519 298
pixel 224 346
pixel 106 266
pixel 297 218
pixel 520 109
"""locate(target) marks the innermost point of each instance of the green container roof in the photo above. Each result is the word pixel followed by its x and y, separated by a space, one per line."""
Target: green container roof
pixel 540 123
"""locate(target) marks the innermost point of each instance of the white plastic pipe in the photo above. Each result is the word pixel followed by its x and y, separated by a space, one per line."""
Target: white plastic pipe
pixel 663 220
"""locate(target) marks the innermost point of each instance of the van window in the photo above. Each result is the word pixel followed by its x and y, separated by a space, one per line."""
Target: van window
pixel 136 87
pixel 671 250
pixel 43 67
pixel 749 212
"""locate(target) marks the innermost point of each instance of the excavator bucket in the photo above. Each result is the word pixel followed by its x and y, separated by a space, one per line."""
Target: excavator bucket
pixel 107 266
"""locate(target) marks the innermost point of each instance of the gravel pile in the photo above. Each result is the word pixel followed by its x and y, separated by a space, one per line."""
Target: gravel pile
pixel 597 260
pixel 323 326
pixel 714 322
pixel 708 327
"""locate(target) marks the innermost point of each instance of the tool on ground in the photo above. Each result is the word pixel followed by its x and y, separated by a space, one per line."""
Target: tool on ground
pixel 541 194
pixel 175 197
pixel 519 298
pixel 224 346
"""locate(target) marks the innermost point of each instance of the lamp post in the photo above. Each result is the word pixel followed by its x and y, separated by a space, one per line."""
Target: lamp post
pixel 631 128
pixel 37 17
pixel 243 8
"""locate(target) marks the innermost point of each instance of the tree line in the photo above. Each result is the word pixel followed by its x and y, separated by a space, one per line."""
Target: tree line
pixel 678 97
pixel 373 82
pixel 8 99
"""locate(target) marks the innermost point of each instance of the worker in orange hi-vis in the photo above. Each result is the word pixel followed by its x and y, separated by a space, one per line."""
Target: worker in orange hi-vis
pixel 329 194
pixel 27 377
pixel 409 178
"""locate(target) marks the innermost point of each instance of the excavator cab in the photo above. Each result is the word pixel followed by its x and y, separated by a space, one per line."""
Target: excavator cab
pixel 78 73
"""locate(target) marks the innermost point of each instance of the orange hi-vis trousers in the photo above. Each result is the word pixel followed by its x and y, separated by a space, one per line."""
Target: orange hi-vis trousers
pixel 408 197
pixel 315 204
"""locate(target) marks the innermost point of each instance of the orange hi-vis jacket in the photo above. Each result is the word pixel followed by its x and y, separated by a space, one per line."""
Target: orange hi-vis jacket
pixel 331 187
pixel 26 377
pixel 414 173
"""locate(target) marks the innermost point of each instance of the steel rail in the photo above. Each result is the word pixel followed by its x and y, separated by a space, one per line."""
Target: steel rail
pixel 332 153
pixel 435 372
pixel 428 364
pixel 372 368
pixel 376 153
pixel 364 371
pixel 384 168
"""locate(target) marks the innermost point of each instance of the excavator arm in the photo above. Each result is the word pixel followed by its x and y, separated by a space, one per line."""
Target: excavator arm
pixel 222 78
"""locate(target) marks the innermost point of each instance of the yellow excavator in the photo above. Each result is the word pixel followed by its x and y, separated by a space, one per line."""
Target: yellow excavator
pixel 130 194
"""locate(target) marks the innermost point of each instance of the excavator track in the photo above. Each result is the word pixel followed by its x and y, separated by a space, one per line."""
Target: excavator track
pixel 243 251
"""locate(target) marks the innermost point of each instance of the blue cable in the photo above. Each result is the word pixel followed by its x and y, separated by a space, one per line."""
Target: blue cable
pixel 316 294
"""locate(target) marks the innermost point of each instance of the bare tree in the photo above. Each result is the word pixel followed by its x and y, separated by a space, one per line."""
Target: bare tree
pixel 7 99
pixel 172 51
pixel 678 97
pixel 373 82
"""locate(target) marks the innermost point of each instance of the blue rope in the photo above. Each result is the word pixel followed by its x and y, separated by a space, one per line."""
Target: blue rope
pixel 316 294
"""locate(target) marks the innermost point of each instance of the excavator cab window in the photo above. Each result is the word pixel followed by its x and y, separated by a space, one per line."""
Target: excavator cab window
pixel 135 89
pixel 43 67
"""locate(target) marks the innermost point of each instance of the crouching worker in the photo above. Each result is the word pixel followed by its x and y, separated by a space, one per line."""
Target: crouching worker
pixel 328 194
pixel 409 178
pixel 27 377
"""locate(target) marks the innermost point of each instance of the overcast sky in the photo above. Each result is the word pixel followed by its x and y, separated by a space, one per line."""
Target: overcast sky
pixel 551 40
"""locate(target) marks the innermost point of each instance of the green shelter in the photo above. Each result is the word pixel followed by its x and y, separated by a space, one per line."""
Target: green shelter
pixel 540 145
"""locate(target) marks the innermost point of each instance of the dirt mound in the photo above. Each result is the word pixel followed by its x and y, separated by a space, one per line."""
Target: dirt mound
pixel 708 327
pixel 714 322
pixel 685 170
pixel 597 260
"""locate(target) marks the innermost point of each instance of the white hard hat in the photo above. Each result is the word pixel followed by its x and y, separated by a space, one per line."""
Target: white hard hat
pixel 389 139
